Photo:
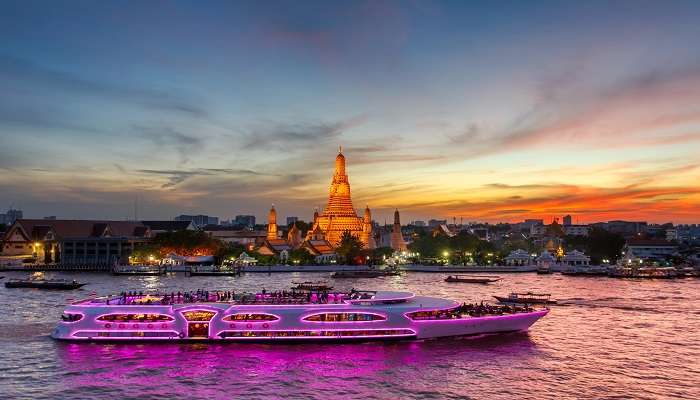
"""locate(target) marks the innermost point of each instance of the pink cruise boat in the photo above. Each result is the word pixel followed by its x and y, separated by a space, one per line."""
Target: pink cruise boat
pixel 285 316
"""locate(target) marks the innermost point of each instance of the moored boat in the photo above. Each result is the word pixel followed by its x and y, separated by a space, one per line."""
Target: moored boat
pixel 467 269
pixel 215 270
pixel 285 316
pixel 644 272
pixel 472 279
pixel 526 298
pixel 139 270
pixel 372 273
pixel 54 284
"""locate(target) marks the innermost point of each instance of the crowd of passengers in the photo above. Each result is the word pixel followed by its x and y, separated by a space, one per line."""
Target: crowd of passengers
pixel 265 297
pixel 472 310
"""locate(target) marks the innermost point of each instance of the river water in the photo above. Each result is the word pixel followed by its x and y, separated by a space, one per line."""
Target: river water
pixel 612 339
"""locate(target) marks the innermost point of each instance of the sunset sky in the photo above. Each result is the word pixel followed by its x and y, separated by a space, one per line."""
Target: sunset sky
pixel 493 111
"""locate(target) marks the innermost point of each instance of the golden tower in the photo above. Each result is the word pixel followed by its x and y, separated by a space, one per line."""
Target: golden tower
pixel 339 215
pixel 272 224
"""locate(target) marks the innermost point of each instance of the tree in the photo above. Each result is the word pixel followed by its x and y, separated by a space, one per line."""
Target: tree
pixel 349 247
pixel 187 243
pixel 229 250
pixel 302 256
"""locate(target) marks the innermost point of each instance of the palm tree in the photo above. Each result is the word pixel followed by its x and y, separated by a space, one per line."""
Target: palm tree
pixel 349 247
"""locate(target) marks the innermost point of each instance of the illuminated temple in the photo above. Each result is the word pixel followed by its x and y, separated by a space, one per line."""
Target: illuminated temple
pixel 339 215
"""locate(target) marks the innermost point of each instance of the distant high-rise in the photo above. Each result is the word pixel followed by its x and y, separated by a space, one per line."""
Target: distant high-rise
pixel 292 220
pixel 567 220
pixel 245 220
pixel 198 220
pixel 419 223
pixel 10 216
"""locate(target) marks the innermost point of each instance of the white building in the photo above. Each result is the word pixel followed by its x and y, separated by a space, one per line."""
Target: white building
pixel 576 258
pixel 518 257
pixel 649 248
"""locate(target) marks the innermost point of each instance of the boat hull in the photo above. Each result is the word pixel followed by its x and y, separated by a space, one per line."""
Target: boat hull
pixel 468 268
pixel 48 286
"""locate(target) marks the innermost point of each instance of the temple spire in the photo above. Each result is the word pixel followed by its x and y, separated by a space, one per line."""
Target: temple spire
pixel 272 223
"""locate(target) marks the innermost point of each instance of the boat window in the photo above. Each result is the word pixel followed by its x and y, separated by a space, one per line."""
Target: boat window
pixel 344 317
pixel 450 313
pixel 135 318
pixel 126 334
pixel 251 317
pixel 199 315
pixel 71 317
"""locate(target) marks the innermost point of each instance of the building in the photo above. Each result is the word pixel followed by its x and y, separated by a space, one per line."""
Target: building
pixel 75 241
pixel 292 220
pixel 397 242
pixel 567 220
pixel 157 227
pixel 575 230
pixel 273 244
pixel 419 224
pixel 481 233
pixel 317 245
pixel 538 230
pixel 11 216
pixel 518 257
pixel 434 223
pixel 198 220
pixel 624 228
pixel 529 223
pixel 244 220
pixel 339 215
pixel 648 249
pixel 244 237
pixel 575 258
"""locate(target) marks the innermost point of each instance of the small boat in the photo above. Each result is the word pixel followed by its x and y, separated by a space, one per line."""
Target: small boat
pixel 644 272
pixel 526 298
pixel 319 286
pixel 472 279
pixel 140 270
pixel 214 271
pixel 55 284
pixel 543 270
pixel 357 274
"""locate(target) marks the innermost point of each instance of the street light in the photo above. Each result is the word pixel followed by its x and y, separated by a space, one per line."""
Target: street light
pixel 445 253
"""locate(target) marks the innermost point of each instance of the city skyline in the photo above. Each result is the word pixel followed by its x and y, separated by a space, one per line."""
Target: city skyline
pixel 443 110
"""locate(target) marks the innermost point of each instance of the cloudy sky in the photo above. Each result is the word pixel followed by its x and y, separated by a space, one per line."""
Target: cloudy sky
pixel 494 112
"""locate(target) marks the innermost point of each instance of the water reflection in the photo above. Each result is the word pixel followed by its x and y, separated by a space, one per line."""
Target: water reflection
pixel 144 365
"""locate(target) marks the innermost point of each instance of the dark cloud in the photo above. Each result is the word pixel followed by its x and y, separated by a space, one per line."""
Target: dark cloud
pixel 20 73
pixel 177 176
pixel 167 137
pixel 294 135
